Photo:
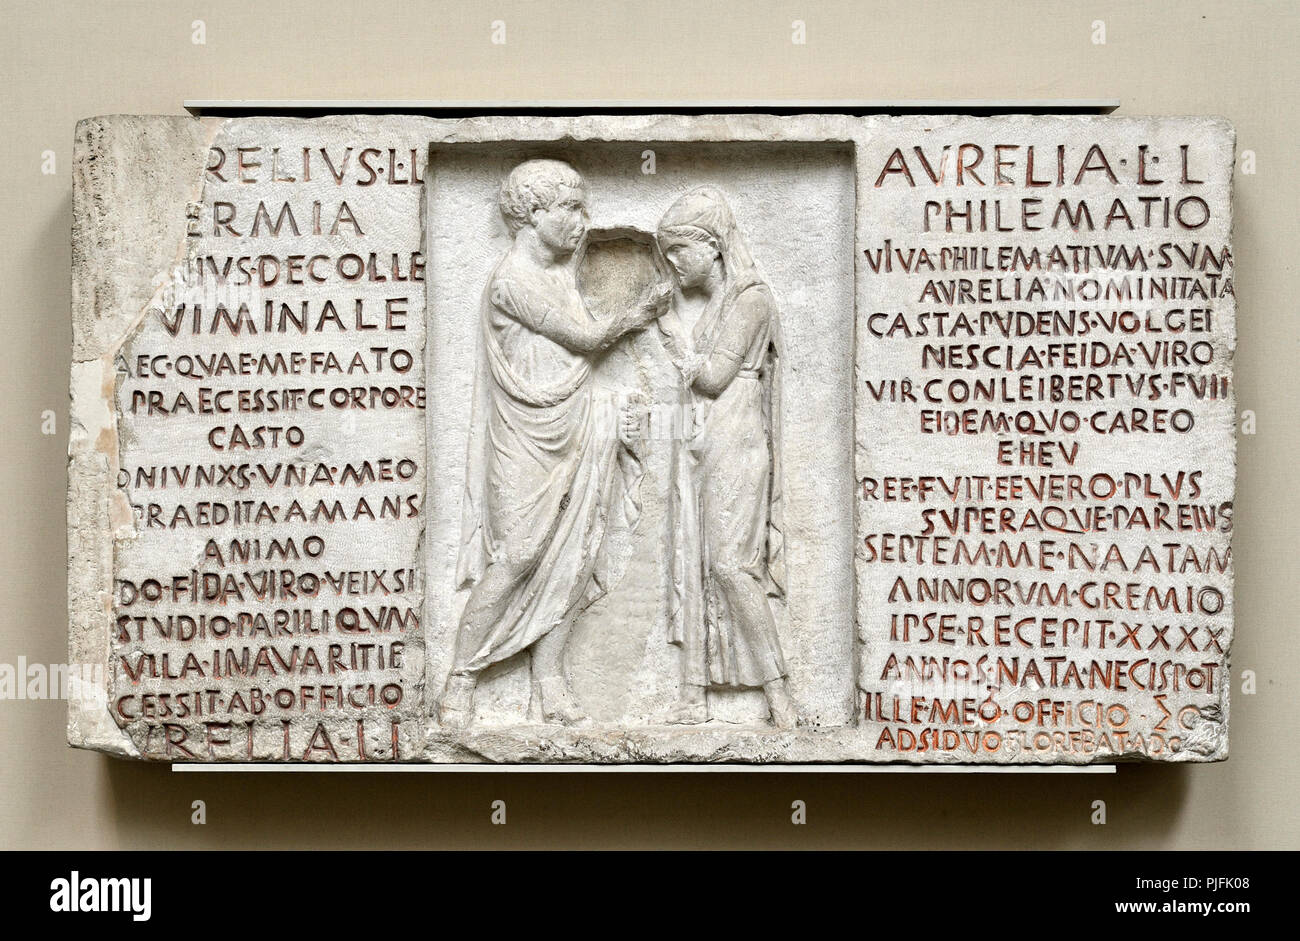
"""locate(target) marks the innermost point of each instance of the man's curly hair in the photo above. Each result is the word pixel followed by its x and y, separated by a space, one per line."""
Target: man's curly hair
pixel 534 184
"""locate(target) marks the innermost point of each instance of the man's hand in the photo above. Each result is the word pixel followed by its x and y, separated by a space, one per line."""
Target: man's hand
pixel 653 305
pixel 657 297
pixel 630 424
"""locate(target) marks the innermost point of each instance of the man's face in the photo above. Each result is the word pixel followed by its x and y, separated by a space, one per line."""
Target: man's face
pixel 562 224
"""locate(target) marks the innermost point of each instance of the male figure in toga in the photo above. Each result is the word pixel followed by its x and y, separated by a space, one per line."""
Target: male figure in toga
pixel 548 477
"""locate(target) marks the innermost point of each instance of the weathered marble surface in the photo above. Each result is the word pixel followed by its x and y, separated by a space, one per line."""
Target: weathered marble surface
pixel 389 208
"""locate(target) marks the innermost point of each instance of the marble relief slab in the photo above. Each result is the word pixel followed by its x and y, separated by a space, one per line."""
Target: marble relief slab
pixel 665 439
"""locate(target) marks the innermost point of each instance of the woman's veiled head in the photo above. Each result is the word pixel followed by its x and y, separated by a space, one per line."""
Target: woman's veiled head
pixel 698 228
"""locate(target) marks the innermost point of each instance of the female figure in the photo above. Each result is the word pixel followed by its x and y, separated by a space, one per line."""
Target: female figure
pixel 727 548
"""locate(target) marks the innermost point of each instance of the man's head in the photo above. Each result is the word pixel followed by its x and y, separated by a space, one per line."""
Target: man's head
pixel 549 196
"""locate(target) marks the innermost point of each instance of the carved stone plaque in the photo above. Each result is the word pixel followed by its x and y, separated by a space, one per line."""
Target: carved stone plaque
pixel 653 439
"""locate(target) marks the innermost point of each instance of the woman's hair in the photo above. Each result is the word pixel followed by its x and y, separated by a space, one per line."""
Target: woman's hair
pixel 534 184
pixel 692 232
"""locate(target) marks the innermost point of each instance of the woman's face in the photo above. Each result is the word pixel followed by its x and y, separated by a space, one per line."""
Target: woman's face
pixel 690 260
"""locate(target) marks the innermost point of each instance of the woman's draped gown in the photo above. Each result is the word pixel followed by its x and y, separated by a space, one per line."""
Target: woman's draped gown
pixel 726 496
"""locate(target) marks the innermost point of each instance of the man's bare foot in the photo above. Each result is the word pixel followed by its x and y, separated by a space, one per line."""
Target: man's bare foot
pixel 780 706
pixel 456 708
pixel 558 704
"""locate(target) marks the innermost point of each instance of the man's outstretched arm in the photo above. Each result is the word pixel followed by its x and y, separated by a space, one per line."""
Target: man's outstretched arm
pixel 538 313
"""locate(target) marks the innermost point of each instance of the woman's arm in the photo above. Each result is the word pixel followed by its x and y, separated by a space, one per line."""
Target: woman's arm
pixel 753 310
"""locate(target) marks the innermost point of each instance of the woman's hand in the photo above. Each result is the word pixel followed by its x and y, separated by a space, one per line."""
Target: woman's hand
pixel 680 352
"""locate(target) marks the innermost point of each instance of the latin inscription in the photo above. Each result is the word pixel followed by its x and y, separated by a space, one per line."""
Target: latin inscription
pixel 270 409
pixel 1045 496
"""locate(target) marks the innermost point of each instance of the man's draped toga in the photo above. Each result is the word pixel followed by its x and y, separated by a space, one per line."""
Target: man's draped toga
pixel 548 485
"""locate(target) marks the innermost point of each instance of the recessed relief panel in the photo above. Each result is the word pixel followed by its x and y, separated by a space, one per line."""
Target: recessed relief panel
pixel 638 393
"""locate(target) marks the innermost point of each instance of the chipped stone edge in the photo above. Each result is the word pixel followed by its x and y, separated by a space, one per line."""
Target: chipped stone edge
pixel 118 160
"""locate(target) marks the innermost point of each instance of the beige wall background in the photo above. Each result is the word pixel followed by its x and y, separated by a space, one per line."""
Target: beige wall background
pixel 61 61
